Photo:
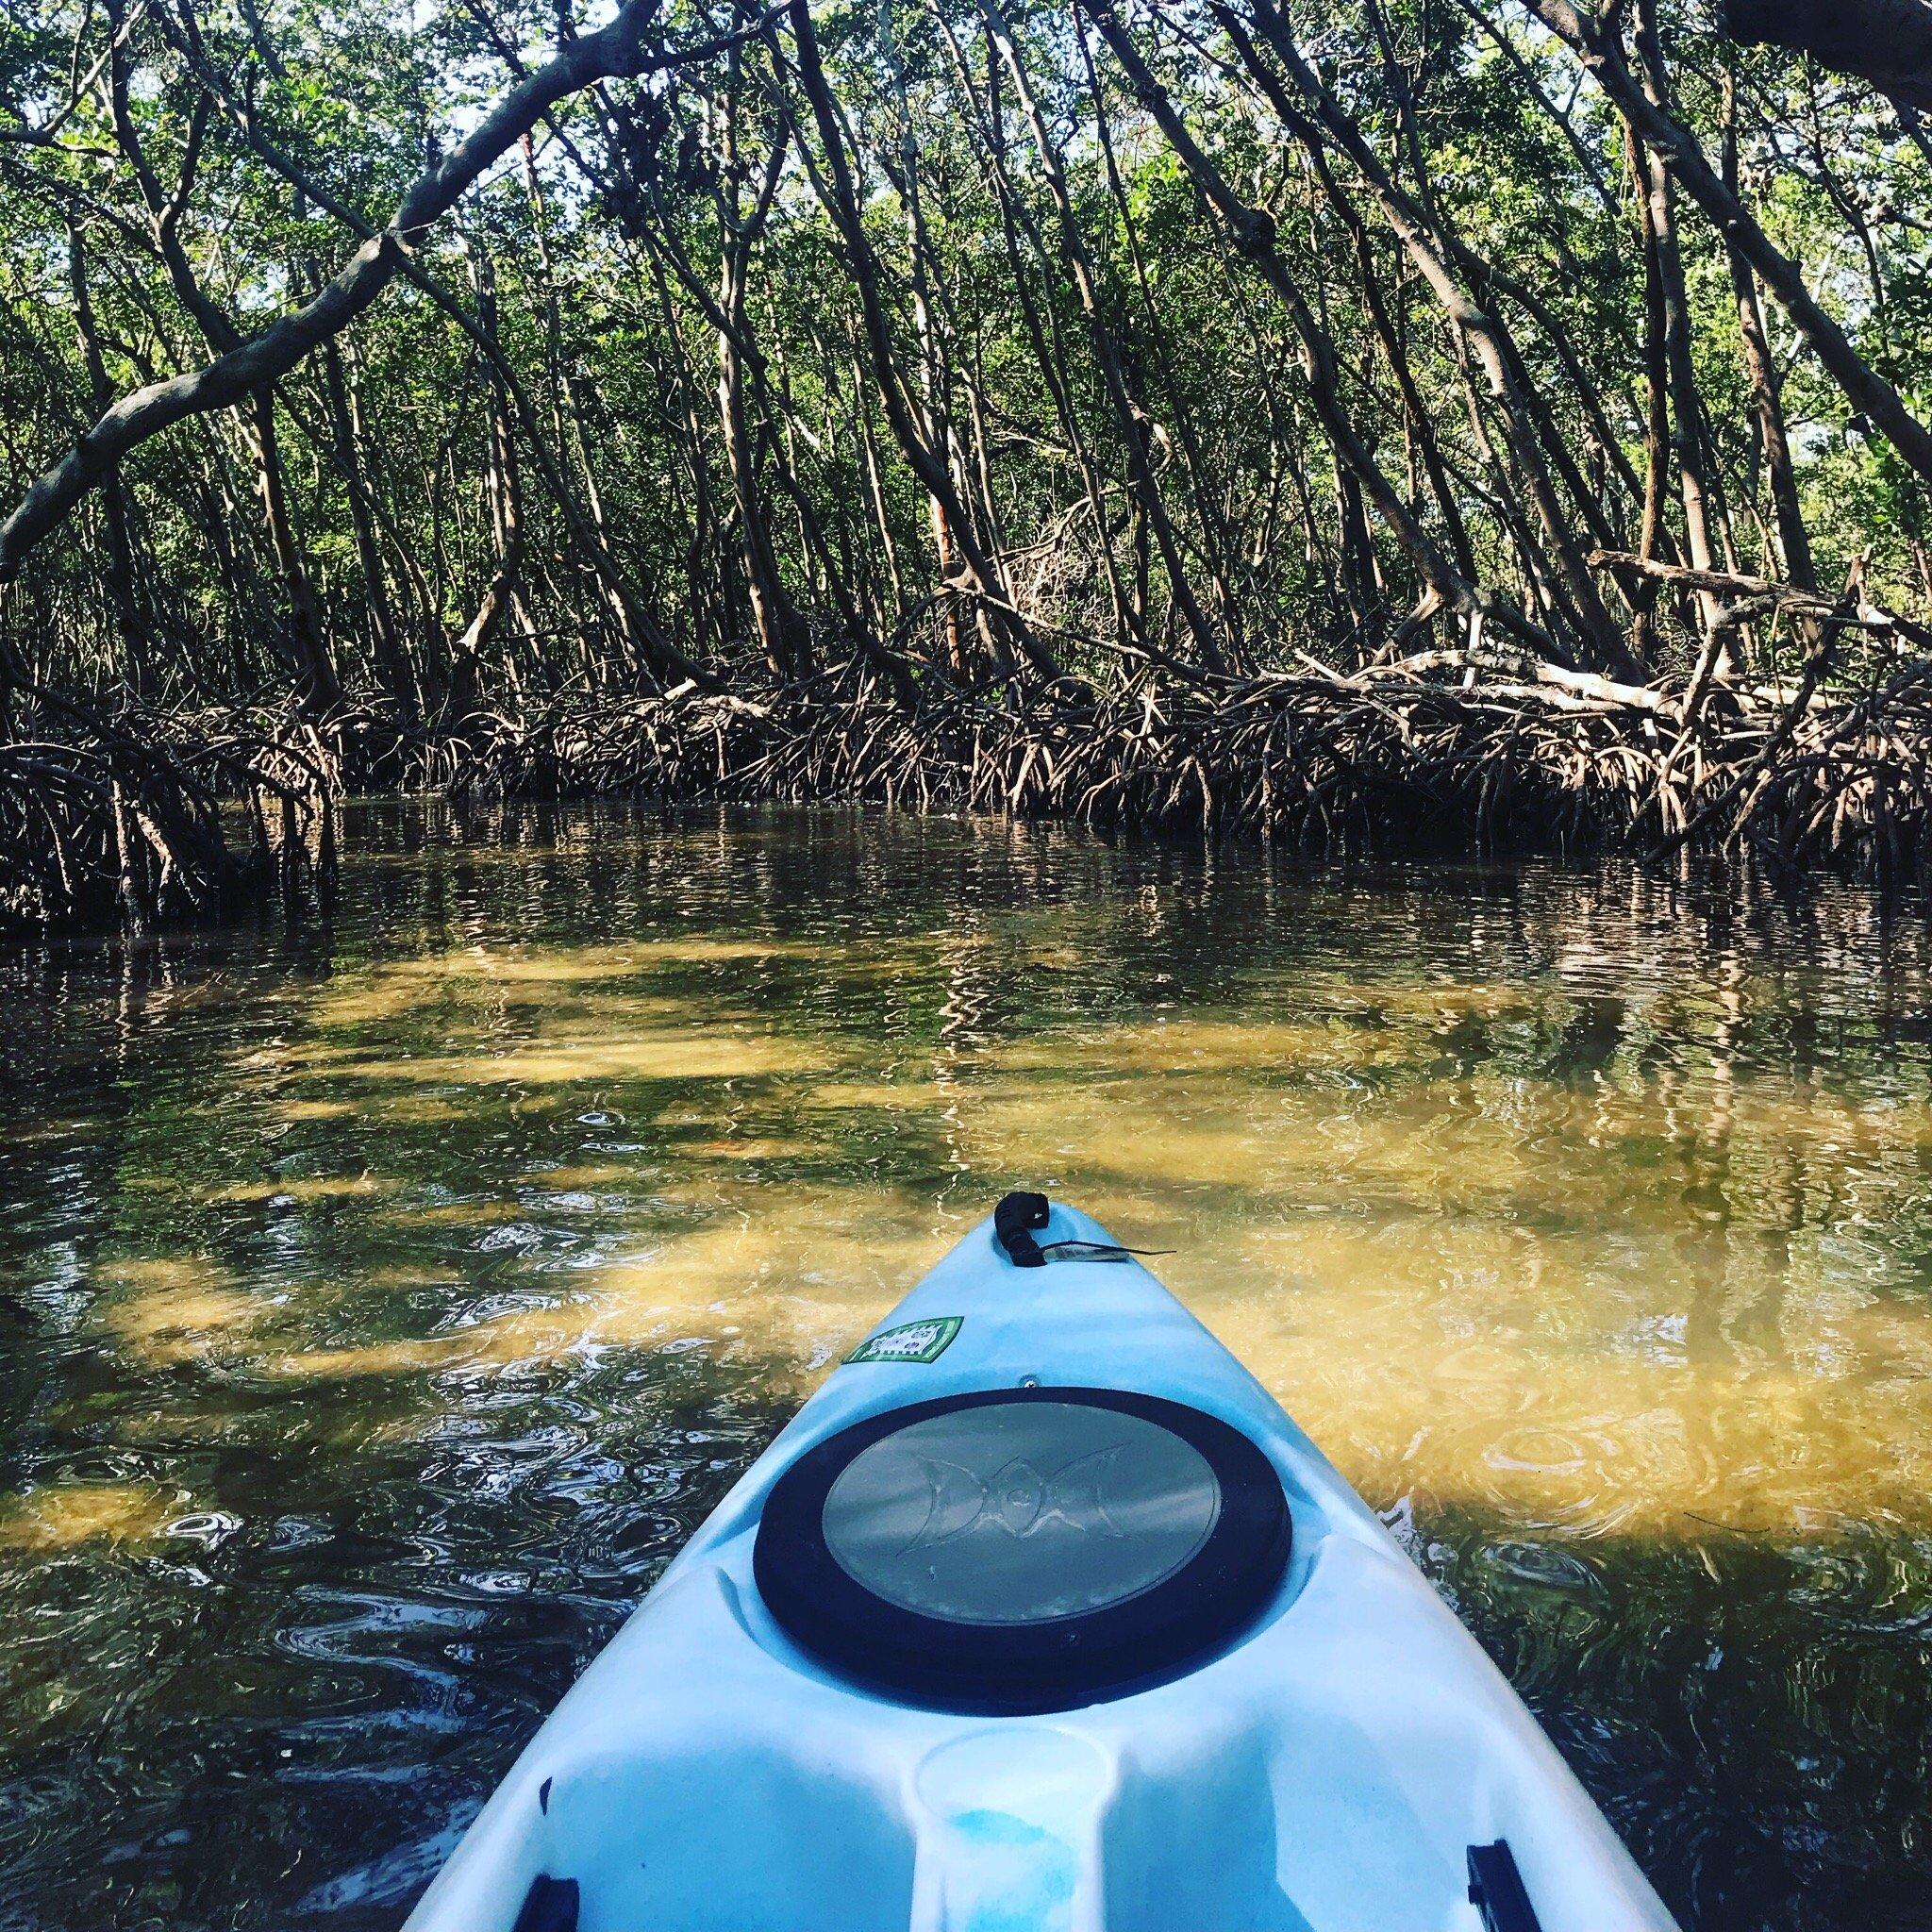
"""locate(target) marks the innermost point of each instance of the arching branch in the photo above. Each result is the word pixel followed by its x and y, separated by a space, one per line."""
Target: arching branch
pixel 618 50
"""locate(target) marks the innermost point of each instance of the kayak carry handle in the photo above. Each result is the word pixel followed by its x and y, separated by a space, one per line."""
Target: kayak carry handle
pixel 1497 1891
pixel 1010 1825
pixel 1013 1222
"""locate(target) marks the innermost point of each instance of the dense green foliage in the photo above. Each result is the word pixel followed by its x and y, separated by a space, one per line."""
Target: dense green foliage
pixel 531 464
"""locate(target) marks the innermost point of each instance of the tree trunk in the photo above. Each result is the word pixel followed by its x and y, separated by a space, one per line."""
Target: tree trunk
pixel 1869 391
pixel 1687 437
pixel 238 373
pixel 1253 236
pixel 1130 421
pixel 1760 372
pixel 780 629
pixel 931 467
pixel 136 641
pixel 1417 229
pixel 317 688
pixel 391 659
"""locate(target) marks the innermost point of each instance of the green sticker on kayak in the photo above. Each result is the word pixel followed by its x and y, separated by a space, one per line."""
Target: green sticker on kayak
pixel 911 1342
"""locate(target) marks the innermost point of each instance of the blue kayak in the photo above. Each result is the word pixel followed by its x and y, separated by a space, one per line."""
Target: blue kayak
pixel 1041 1616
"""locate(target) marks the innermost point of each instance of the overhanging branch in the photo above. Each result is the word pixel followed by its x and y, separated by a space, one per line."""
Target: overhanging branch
pixel 1888 42
pixel 614 50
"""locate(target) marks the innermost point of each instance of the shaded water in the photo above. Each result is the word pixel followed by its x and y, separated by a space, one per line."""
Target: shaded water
pixel 379 1311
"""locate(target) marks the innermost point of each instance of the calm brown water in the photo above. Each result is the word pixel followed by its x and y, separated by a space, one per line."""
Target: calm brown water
pixel 379 1310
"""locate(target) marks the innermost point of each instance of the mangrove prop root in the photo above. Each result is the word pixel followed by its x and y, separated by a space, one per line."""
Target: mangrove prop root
pixel 154 821
pixel 1437 753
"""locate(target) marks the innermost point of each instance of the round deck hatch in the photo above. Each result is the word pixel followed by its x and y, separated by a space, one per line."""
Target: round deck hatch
pixel 1022 1550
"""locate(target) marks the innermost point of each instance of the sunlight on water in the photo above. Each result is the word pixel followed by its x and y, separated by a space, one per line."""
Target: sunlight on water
pixel 62 1515
pixel 383 1309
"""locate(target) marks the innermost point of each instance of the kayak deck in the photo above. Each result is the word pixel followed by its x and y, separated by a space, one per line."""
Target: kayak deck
pixel 1332 1761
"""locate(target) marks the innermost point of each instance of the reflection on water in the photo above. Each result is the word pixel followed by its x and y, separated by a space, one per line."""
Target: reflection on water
pixel 379 1311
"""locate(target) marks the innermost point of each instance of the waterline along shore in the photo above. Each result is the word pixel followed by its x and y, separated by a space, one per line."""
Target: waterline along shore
pixel 1436 754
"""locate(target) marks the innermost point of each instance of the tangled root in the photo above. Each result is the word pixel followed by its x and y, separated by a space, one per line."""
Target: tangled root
pixel 129 825
pixel 1434 754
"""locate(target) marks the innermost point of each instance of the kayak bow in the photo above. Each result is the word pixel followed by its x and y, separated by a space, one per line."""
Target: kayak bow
pixel 1041 1616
